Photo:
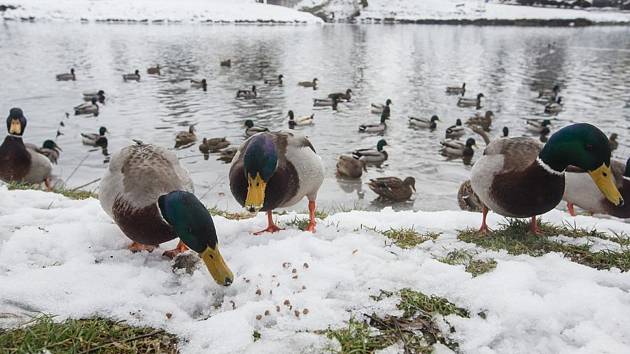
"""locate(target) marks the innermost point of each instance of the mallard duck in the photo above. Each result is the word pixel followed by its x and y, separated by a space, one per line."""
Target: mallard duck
pixel 454 148
pixel 470 102
pixel 67 76
pixel 213 145
pixel 132 77
pixel 538 126
pixel 275 82
pixel 467 199
pixel 518 177
pixel 300 121
pixel 95 139
pixel 247 94
pixel 375 128
pixel 226 63
pixel 154 70
pixel 99 95
pixel 312 84
pixel 612 141
pixel 342 96
pixel 251 129
pixel 150 197
pixel 393 188
pixel 456 90
pixel 227 155
pixel 202 84
pixel 372 156
pixel 87 108
pixel 484 121
pixel 554 107
pixel 276 170
pixel 455 131
pixel 186 138
pixel 549 94
pixel 378 108
pixel 17 162
pixel 350 167
pixel 49 148
pixel 579 190
pixel 424 123
pixel 326 102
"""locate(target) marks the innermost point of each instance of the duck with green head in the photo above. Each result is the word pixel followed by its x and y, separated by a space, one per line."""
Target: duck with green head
pixel 49 148
pixel 150 197
pixel 371 155
pixel 276 170
pixel 518 177
pixel 18 162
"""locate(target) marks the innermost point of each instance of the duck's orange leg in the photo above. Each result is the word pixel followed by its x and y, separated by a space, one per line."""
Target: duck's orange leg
pixel 181 247
pixel 484 227
pixel 48 184
pixel 571 209
pixel 271 226
pixel 533 227
pixel 139 247
pixel 311 215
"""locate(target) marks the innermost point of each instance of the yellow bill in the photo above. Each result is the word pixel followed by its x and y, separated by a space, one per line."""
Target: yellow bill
pixel 255 193
pixel 15 127
pixel 216 266
pixel 603 178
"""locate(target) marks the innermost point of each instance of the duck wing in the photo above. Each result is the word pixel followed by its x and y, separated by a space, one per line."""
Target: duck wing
pixel 518 152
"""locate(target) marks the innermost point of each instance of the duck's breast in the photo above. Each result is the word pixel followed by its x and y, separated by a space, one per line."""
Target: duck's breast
pixel 15 161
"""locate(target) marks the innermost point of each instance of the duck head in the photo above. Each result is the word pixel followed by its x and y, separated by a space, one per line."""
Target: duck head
pixel 613 137
pixel 489 115
pixel 254 88
pixel 381 143
pixel 137 72
pixel 315 81
pixel 72 71
pixel 94 100
pixel 348 92
pixel 260 163
pixel 470 142
pixel 458 122
pixel 102 131
pixel 556 88
pixel 388 102
pixel 194 226
pixel 191 129
pixel 291 116
pixel 545 123
pixel 16 122
pixel 249 123
pixel 585 146
pixel 506 132
pixel 479 96
pixel 51 145
pixel 411 182
pixel 435 118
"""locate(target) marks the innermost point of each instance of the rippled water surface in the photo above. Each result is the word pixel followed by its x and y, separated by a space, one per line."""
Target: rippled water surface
pixel 409 64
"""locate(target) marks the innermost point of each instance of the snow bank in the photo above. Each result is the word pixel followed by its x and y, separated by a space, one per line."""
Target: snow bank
pixel 461 10
pixel 67 258
pixel 189 11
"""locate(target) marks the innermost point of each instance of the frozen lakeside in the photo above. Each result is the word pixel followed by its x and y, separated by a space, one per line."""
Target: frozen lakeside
pixel 68 258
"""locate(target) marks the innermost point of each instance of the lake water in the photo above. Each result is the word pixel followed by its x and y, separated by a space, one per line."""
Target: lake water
pixel 409 64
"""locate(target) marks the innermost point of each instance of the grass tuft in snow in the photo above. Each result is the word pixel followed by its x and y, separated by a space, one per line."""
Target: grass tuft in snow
pixel 408 237
pixel 297 222
pixel 412 302
pixel 473 266
pixel 214 211
pixel 515 238
pixel 96 335
pixel 69 193
pixel 416 330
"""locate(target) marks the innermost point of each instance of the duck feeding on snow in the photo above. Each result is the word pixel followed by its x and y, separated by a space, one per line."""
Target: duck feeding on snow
pixel 150 197
pixel 518 177
pixel 276 170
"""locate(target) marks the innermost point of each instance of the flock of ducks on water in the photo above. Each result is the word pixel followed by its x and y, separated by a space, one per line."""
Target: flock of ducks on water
pixel 150 196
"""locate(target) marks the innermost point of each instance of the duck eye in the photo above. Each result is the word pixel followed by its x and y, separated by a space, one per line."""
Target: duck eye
pixel 605 174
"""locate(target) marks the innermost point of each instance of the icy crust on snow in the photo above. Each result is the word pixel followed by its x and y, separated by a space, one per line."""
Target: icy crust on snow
pixel 67 258
pixel 188 11
pixel 463 10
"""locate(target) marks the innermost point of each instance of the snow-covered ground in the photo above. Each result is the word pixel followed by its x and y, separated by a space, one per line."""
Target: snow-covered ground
pixel 188 11
pixel 413 10
pixel 67 258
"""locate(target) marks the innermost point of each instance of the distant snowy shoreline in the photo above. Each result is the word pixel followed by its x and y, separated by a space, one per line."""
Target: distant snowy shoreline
pixel 153 11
